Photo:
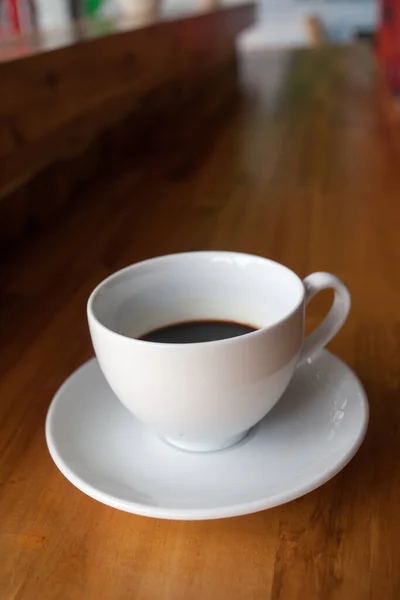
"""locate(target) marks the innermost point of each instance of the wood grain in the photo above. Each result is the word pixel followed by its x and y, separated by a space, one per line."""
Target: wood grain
pixel 65 115
pixel 304 170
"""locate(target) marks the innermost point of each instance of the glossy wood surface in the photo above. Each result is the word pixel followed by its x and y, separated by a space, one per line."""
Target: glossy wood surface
pixel 68 114
pixel 304 169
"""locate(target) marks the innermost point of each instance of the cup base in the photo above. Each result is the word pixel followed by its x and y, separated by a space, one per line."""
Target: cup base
pixel 213 446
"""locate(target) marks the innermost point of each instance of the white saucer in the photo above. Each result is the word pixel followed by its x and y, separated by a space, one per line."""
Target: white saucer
pixel 312 433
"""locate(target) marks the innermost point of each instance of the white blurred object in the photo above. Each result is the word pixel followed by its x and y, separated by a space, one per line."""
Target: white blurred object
pixel 52 13
pixel 277 33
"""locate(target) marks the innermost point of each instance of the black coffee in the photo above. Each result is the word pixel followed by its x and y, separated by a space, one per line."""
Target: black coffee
pixel 197 331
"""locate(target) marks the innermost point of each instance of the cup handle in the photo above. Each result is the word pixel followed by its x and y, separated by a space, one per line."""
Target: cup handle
pixel 334 319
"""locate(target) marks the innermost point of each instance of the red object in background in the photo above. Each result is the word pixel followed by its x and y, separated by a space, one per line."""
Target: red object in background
pixel 16 17
pixel 388 43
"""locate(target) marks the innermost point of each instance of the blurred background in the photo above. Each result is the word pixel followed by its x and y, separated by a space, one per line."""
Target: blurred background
pixel 279 23
pixel 279 20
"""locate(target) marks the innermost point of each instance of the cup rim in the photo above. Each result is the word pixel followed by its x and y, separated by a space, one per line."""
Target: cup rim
pixel 91 314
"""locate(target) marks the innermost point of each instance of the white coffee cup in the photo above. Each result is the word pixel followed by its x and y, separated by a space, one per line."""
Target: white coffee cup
pixel 206 396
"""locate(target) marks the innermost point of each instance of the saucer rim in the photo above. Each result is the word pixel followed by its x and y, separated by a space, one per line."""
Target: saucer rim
pixel 200 514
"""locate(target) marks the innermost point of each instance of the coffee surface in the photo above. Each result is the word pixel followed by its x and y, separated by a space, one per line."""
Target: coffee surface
pixel 197 331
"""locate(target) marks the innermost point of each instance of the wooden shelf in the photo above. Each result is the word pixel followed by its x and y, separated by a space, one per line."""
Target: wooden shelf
pixel 90 29
pixel 69 114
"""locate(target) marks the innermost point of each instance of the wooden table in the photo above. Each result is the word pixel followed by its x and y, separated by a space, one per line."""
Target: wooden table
pixel 303 170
